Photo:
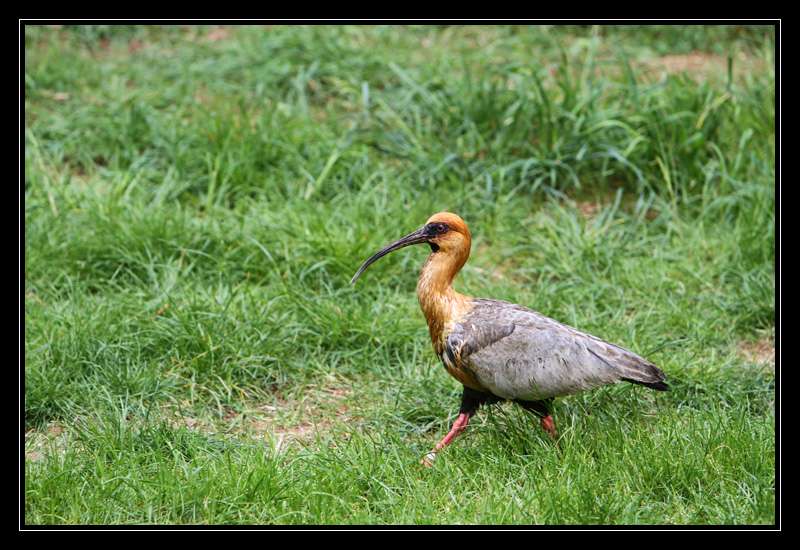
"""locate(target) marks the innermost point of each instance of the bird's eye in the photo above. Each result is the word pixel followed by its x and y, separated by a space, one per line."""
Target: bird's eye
pixel 436 228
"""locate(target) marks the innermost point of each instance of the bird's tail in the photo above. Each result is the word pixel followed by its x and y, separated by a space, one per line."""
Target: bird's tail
pixel 646 374
pixel 630 367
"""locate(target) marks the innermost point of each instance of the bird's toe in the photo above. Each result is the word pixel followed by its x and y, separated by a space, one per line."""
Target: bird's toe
pixel 428 459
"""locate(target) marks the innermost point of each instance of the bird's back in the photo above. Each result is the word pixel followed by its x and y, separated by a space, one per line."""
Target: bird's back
pixel 517 353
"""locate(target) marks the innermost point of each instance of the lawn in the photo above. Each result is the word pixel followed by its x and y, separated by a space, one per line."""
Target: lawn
pixel 197 198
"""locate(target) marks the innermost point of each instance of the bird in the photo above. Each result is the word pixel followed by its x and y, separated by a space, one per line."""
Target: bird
pixel 500 351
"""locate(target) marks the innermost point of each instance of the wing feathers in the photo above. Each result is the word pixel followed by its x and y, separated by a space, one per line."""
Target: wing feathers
pixel 516 352
pixel 468 338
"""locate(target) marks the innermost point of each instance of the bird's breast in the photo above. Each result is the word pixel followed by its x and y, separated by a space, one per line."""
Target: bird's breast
pixel 453 363
pixel 442 312
pixel 444 308
pixel 456 368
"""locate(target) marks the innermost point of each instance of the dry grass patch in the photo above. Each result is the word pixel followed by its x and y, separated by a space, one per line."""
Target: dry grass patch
pixel 759 352
pixel 40 443
pixel 702 65
pixel 217 34
pixel 299 417
pixel 298 420
pixel 695 62
pixel 590 205
pixel 588 209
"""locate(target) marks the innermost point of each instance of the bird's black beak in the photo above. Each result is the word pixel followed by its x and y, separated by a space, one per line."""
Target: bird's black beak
pixel 417 237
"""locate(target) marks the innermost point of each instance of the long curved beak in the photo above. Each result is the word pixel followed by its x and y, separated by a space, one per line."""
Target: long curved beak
pixel 416 237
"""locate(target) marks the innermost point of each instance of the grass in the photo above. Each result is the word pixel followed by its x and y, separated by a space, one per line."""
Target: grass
pixel 197 199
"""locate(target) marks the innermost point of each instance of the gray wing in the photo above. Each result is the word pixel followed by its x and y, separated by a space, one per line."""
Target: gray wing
pixel 517 353
pixel 467 338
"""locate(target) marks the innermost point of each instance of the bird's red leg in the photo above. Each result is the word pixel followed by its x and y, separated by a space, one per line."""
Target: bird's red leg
pixel 458 426
pixel 550 427
pixel 542 410
pixel 471 400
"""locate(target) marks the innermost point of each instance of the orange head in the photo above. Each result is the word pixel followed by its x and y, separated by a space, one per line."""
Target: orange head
pixel 451 236
pixel 445 232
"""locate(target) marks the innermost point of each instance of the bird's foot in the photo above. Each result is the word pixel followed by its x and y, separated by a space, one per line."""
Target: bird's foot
pixel 428 459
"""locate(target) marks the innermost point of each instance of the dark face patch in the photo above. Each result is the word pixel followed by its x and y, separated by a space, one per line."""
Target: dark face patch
pixel 436 229
pixel 433 230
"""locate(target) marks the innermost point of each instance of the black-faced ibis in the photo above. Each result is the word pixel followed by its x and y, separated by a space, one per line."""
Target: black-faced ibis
pixel 501 351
